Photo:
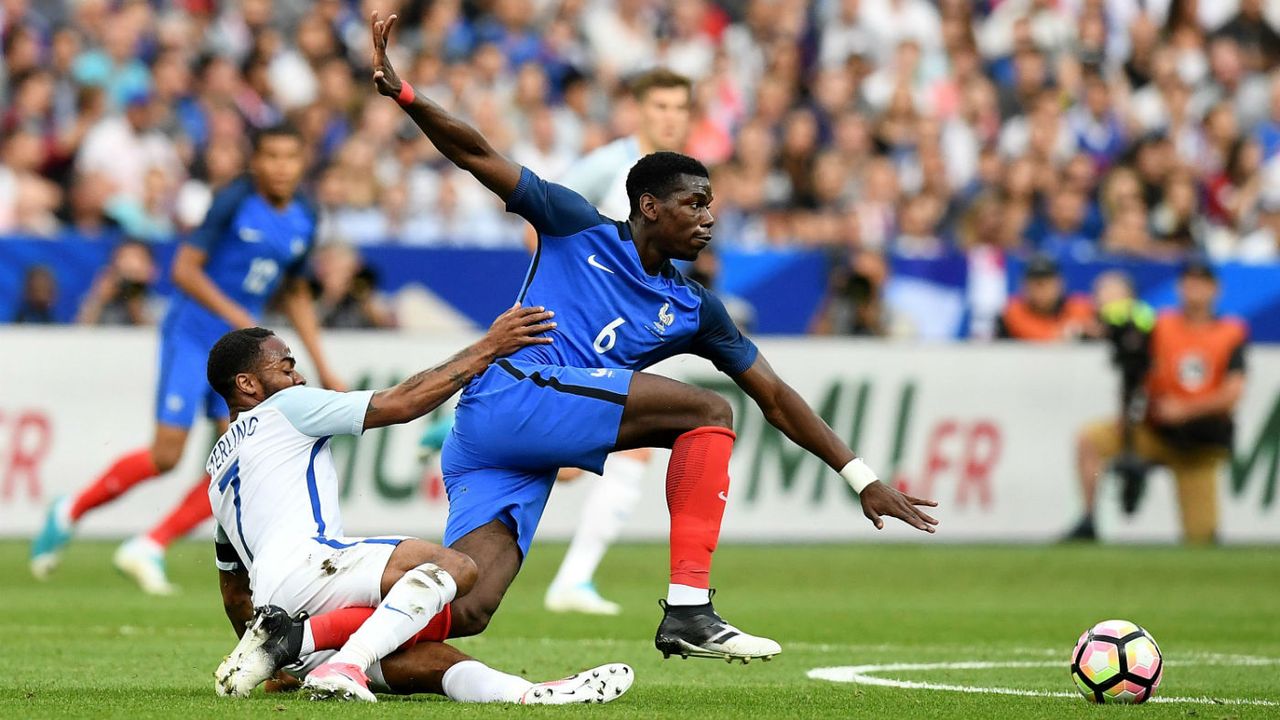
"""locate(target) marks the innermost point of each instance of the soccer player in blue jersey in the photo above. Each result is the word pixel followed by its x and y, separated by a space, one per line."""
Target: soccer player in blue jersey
pixel 256 237
pixel 621 306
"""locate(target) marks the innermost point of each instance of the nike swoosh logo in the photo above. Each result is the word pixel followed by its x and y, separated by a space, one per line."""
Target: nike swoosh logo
pixel 250 235
pixel 723 496
pixel 591 260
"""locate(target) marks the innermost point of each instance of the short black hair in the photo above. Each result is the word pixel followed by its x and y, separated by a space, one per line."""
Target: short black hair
pixel 278 130
pixel 658 174
pixel 236 352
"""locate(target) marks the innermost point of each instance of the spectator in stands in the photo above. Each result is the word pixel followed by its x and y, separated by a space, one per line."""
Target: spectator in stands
pixel 122 292
pixel 1044 312
pixel 346 290
pixel 1195 381
pixel 1262 246
pixel 39 294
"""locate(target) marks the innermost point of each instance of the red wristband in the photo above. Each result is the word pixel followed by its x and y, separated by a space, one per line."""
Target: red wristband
pixel 406 94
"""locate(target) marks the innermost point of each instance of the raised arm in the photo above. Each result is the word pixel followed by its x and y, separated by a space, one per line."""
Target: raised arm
pixel 428 389
pixel 786 410
pixel 455 139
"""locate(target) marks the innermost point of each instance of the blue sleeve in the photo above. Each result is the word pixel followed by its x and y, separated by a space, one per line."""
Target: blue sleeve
pixel 553 210
pixel 321 413
pixel 719 340
pixel 222 212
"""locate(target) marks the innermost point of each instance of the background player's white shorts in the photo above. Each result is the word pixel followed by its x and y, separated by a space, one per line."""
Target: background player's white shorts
pixel 318 576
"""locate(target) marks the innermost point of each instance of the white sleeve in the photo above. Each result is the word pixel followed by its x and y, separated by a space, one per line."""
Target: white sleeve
pixel 225 556
pixel 321 413
pixel 592 175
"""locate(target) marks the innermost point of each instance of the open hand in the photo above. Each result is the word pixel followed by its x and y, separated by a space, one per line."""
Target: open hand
pixel 880 499
pixel 519 327
pixel 384 76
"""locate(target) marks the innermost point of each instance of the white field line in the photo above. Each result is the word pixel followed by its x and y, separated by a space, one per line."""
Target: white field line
pixel 862 675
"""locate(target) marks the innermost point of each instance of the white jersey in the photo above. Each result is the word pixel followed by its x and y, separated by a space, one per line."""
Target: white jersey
pixel 600 176
pixel 273 484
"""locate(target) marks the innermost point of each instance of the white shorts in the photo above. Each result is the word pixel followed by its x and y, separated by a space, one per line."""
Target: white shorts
pixel 318 576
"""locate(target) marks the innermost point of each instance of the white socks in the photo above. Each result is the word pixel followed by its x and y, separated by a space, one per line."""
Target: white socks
pixel 606 511
pixel 474 682
pixel 687 595
pixel 408 607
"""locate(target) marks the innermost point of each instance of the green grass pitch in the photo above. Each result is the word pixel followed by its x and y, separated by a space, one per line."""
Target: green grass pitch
pixel 87 644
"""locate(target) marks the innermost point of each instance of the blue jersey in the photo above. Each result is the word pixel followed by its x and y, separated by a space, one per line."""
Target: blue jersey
pixel 610 312
pixel 251 247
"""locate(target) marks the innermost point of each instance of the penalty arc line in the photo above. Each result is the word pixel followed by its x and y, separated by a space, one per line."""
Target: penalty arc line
pixel 861 674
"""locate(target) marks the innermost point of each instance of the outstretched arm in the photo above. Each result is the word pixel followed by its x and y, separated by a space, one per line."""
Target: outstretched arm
pixel 786 410
pixel 425 391
pixel 455 139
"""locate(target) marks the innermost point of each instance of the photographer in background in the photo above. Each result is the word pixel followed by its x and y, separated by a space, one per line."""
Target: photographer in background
pixel 1194 380
pixel 1044 312
pixel 121 294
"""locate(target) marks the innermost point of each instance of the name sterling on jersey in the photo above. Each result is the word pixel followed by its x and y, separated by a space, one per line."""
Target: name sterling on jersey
pixel 228 444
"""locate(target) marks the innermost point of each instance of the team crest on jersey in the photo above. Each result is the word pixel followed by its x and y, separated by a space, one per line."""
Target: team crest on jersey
pixel 1193 372
pixel 297 245
pixel 666 319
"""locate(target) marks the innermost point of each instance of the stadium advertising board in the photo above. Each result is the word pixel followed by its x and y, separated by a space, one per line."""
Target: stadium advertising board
pixel 988 430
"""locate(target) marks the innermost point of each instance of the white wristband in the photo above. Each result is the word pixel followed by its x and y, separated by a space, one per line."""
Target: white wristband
pixel 858 475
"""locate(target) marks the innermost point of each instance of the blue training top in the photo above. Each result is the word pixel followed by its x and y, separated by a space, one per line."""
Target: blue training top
pixel 610 312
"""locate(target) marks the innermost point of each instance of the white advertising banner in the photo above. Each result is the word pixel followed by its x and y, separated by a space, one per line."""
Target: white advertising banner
pixel 987 430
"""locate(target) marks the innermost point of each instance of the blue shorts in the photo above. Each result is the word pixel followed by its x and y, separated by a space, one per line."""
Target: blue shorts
pixel 183 388
pixel 516 426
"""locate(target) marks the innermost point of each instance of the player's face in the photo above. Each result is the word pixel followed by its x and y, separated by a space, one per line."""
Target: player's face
pixel 684 219
pixel 277 369
pixel 664 117
pixel 277 167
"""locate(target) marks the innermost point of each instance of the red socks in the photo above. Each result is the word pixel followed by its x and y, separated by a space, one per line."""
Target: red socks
pixel 697 489
pixel 331 630
pixel 193 510
pixel 128 471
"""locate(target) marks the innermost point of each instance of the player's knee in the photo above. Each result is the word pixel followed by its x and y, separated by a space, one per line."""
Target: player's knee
pixel 470 618
pixel 461 568
pixel 716 411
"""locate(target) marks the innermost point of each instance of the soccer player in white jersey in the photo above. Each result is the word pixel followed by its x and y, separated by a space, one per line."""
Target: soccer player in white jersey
pixel 274 492
pixel 662 98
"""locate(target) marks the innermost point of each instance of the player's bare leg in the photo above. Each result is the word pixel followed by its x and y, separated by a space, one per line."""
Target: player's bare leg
pixel 697 425
pixel 610 502
pixel 1089 468
pixel 497 557
pixel 126 472
pixel 443 670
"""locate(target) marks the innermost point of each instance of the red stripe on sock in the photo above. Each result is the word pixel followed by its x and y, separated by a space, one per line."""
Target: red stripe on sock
pixel 190 512
pixel 331 630
pixel 127 471
pixel 697 485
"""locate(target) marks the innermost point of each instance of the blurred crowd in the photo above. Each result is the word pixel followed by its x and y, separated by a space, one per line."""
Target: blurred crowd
pixel 1069 128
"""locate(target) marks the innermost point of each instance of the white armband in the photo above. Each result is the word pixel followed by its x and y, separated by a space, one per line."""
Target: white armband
pixel 858 474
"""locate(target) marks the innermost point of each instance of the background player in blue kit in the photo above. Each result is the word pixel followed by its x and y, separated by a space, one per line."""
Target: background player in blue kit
pixel 256 237
pixel 620 306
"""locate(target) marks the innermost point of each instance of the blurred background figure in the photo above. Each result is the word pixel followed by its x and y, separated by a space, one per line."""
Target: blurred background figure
pixel 39 294
pixel 346 291
pixel 122 292
pixel 1044 312
pixel 1194 381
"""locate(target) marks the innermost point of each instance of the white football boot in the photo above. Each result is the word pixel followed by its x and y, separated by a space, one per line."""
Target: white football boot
pixel 579 599
pixel 142 559
pixel 597 685
pixel 338 681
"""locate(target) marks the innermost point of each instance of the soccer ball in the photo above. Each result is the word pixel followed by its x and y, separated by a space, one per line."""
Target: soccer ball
pixel 1117 662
